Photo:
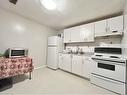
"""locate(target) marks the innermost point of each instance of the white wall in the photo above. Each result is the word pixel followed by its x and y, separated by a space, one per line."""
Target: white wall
pixel 124 40
pixel 16 31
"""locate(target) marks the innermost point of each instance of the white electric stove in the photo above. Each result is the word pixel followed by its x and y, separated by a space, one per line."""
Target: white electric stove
pixel 109 69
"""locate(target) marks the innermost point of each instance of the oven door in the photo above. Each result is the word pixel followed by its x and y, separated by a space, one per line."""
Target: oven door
pixel 110 70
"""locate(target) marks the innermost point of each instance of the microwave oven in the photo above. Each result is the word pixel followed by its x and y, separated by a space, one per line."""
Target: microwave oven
pixel 16 52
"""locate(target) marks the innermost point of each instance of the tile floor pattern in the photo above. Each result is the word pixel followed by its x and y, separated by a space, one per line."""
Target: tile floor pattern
pixel 49 82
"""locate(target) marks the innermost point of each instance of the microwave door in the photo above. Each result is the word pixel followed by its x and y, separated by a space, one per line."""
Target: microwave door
pixel 17 53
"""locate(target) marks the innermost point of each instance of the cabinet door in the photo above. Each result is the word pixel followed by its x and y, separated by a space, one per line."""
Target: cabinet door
pixel 67 35
pixel 86 67
pixel 87 32
pixel 115 25
pixel 77 64
pixel 67 62
pixel 100 28
pixel 60 61
pixel 75 34
pixel 125 22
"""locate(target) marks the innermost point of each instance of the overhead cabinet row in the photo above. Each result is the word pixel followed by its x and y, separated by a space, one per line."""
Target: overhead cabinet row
pixel 87 32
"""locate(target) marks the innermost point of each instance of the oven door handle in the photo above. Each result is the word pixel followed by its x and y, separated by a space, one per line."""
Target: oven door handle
pixel 109 61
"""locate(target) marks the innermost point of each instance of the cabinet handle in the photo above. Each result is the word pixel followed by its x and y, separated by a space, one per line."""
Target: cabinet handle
pixel 82 61
pixel 107 29
pixel 71 56
pixel 114 31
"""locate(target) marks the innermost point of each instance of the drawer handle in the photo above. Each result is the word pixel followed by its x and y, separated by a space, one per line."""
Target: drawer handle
pixel 114 31
pixel 82 61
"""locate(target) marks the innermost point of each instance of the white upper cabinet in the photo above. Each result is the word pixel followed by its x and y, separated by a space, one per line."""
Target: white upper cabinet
pixel 67 35
pixel 100 28
pixel 75 34
pixel 115 25
pixel 87 32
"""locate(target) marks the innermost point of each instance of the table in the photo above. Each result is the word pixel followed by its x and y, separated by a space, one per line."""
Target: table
pixel 10 67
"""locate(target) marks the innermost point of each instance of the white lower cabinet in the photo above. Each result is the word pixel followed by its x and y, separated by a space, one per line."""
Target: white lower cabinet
pixel 82 65
pixel 67 62
pixel 77 64
pixel 60 60
pixel 86 67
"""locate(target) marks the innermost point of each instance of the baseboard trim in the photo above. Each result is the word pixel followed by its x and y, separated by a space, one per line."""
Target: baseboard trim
pixel 44 66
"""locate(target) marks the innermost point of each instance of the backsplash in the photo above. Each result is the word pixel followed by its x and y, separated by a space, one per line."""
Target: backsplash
pixel 106 40
pixel 100 41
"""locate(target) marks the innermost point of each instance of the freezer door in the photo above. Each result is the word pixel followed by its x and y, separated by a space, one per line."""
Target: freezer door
pixel 52 41
pixel 52 58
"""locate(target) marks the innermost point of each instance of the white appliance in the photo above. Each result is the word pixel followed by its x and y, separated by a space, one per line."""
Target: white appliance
pixel 109 69
pixel 16 52
pixel 54 48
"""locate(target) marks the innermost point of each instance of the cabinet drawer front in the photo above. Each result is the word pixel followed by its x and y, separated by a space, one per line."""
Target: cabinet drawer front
pixel 108 84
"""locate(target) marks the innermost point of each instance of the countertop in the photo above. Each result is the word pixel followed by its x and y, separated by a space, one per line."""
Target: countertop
pixel 85 54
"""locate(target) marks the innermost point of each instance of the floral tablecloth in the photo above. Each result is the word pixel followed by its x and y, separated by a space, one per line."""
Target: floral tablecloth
pixel 15 66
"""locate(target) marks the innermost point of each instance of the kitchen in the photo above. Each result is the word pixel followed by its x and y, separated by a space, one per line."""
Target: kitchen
pixel 67 46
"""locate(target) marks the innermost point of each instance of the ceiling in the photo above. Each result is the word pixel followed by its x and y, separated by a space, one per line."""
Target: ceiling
pixel 68 12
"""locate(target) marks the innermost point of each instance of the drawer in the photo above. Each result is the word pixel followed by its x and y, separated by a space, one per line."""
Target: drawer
pixel 108 84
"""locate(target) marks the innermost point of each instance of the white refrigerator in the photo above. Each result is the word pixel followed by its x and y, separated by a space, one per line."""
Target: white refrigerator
pixel 54 48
